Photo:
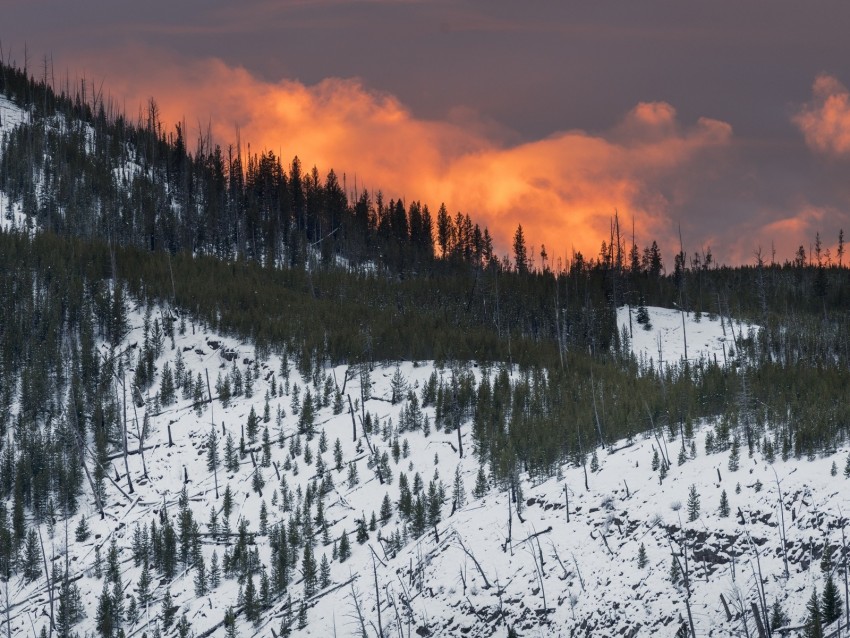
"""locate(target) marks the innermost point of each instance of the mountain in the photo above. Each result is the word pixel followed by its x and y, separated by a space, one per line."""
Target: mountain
pixel 414 435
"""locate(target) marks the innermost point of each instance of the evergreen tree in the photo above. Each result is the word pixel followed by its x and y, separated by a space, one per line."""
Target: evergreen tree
pixel 723 510
pixel 82 532
pixel 482 486
pixel 830 602
pixel 249 599
pixel 847 467
pixel 230 623
pixel 458 490
pixel 104 618
pixel 338 455
pixel 252 426
pixel 324 573
pixel 308 571
pixel 169 609
pixel 813 627
pixel 642 559
pixel 386 512
pixel 675 572
pixel 362 532
pixel 212 450
pixel 594 462
pixel 693 504
pixel 777 616
pixel 231 458
pixel 143 587
pixel 735 455
pixel 258 482
pixel 215 571
pixel 200 577
pixel 655 460
pixel 344 547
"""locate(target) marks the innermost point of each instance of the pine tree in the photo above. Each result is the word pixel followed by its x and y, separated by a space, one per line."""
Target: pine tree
pixel 200 578
pixel 833 471
pixel 264 519
pixel 813 627
pixel 344 548
pixel 352 475
pixel 642 559
pixel 338 455
pixel 777 616
pixel 693 504
pixel 215 571
pixel 82 532
pixel 212 450
pixel 143 588
pixel 252 426
pixel 655 460
pixel 308 571
pixel 249 599
pixel 227 502
pixel 724 505
pixel 230 623
pixel 231 460
pixel 386 509
pixel 830 602
pixel 169 609
pixel 104 615
pixel 735 455
pixel 482 486
pixel 362 532
pixel 675 572
pixel 458 490
pixel 258 482
pixel 183 626
pixel 594 462
pixel 324 573
pixel 847 467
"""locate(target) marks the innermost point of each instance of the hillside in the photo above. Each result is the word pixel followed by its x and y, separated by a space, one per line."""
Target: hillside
pixel 562 560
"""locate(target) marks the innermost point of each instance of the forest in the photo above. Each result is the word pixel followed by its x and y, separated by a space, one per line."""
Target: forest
pixel 121 214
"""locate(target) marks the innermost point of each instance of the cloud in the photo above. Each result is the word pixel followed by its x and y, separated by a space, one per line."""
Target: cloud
pixel 825 120
pixel 563 189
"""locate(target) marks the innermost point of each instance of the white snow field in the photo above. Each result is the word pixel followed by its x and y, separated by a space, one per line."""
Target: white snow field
pixel 711 337
pixel 465 577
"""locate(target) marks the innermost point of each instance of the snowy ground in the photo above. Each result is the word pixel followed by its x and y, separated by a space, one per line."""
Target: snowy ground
pixel 10 116
pixel 709 336
pixel 466 577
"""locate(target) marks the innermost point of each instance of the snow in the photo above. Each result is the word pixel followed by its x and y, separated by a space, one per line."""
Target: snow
pixel 709 337
pixel 589 587
pixel 11 115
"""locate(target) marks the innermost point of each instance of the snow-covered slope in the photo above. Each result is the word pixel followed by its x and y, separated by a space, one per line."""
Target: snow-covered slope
pixel 566 562
pixel 10 116
pixel 663 339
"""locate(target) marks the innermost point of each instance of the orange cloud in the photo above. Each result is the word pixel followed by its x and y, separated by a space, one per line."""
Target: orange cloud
pixel 825 120
pixel 563 189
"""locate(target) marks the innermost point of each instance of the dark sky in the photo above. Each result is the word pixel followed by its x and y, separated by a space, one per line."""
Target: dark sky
pixel 541 98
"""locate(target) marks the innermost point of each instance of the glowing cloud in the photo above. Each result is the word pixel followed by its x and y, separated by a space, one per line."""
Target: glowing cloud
pixel 825 120
pixel 563 189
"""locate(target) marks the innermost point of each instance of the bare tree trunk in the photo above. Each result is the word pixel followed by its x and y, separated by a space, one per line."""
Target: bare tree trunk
pixel 47 576
pixel 126 464
pixel 353 422
pixel 377 596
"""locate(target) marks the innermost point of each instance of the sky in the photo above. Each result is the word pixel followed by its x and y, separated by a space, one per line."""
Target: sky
pixel 728 120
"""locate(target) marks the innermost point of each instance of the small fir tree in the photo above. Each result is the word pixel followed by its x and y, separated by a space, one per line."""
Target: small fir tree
pixel 693 504
pixel 723 510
